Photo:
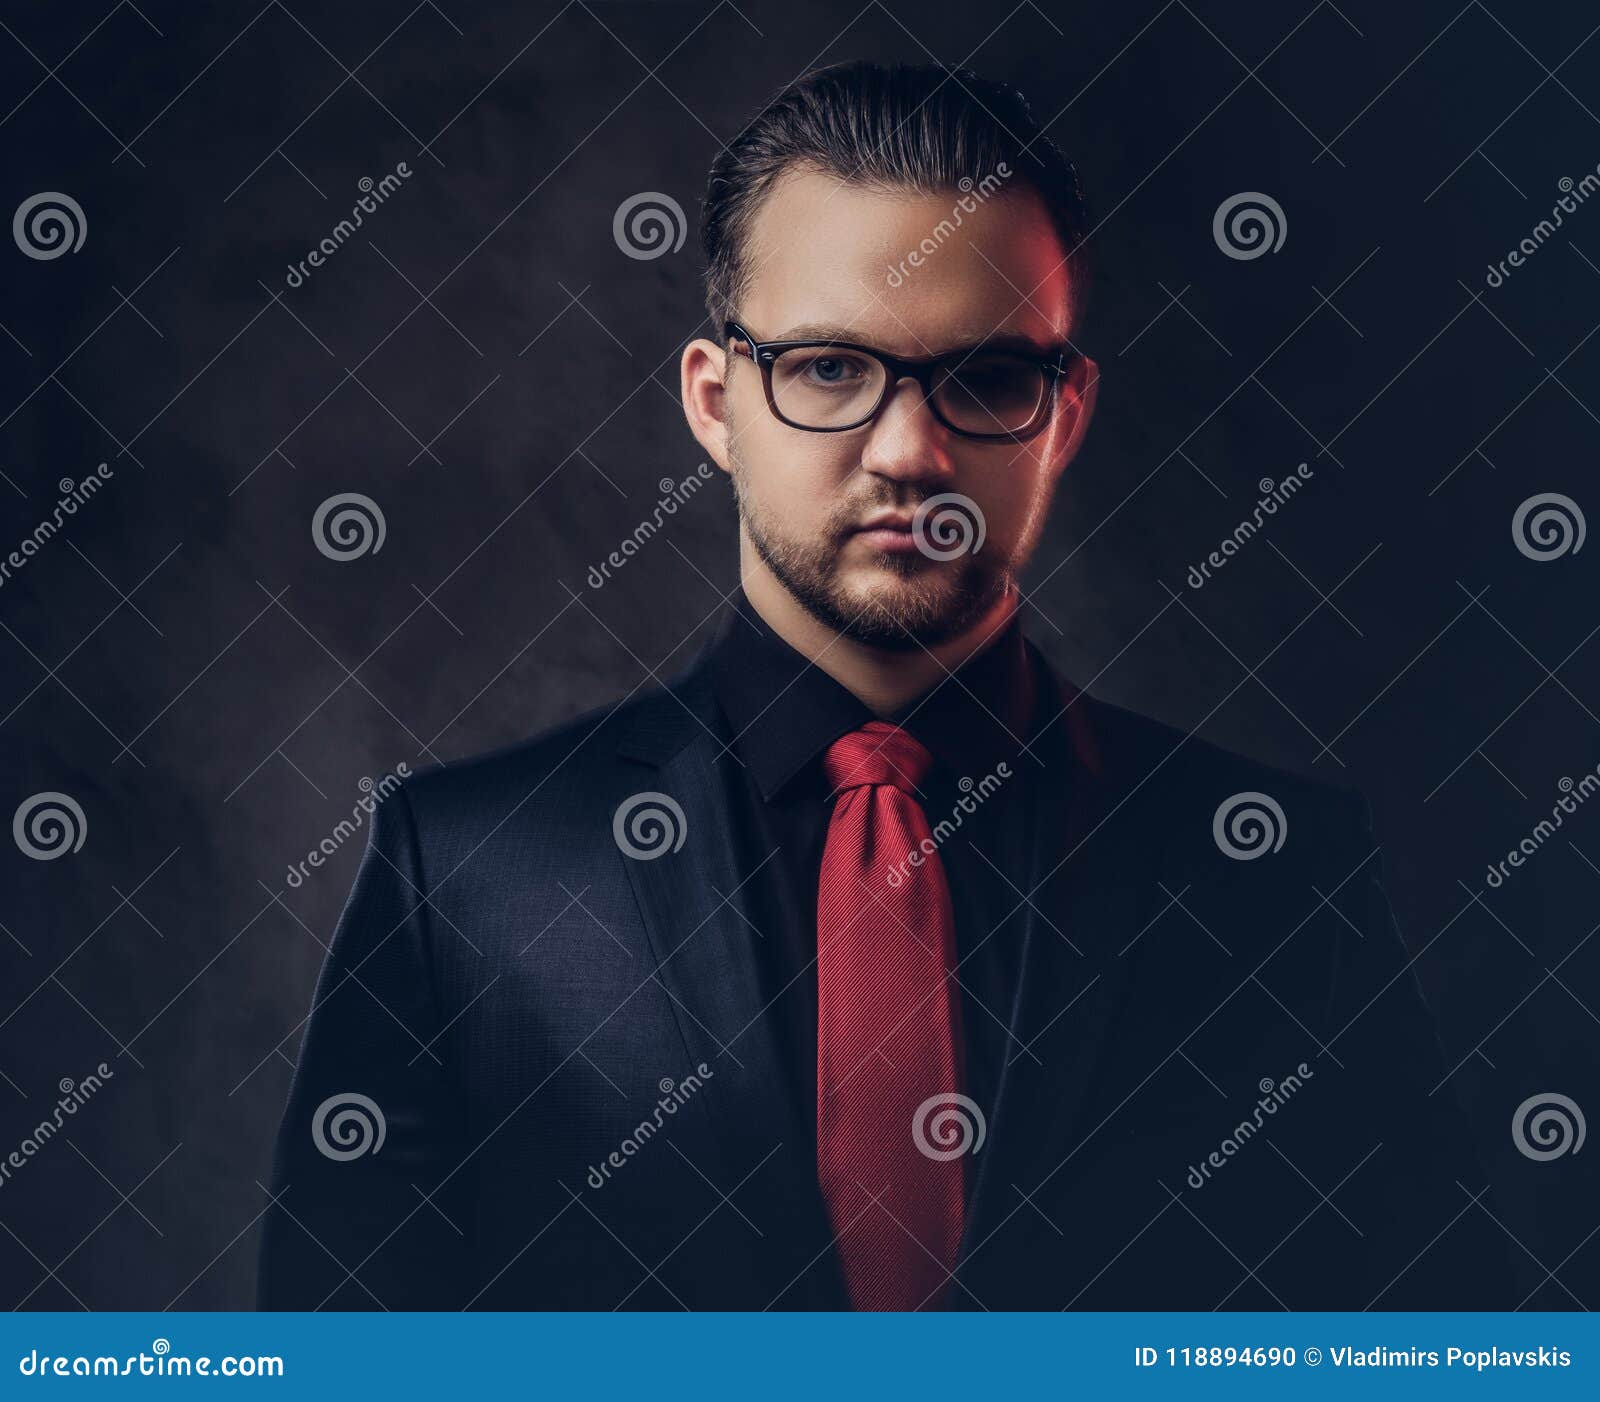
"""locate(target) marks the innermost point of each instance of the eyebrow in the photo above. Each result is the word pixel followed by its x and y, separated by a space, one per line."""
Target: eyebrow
pixel 1005 341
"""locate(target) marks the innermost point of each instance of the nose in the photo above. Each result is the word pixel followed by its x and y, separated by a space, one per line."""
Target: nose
pixel 906 442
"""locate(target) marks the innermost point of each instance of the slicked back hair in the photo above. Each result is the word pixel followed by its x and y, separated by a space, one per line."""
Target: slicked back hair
pixel 926 128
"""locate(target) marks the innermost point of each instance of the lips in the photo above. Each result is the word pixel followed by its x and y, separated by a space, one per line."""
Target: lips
pixel 886 523
pixel 888 534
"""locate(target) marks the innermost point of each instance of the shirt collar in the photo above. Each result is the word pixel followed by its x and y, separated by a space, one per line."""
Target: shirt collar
pixel 785 711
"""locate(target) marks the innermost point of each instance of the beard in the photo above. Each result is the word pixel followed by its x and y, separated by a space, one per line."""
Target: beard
pixel 914 601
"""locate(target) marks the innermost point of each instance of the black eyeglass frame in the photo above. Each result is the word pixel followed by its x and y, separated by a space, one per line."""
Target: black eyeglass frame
pixel 765 353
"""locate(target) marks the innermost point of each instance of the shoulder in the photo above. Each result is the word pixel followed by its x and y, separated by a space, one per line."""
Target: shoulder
pixel 1209 803
pixel 1269 862
pixel 560 768
pixel 1173 758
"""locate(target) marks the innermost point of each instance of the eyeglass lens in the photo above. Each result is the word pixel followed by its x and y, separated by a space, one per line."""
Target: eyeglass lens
pixel 828 387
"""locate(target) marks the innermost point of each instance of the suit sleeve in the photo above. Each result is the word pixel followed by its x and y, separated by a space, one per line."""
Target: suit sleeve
pixel 1430 1245
pixel 367 1184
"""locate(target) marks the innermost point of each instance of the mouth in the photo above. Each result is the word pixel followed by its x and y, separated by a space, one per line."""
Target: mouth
pixel 889 533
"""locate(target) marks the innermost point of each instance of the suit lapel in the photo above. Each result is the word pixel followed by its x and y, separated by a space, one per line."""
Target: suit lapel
pixel 1089 881
pixel 699 915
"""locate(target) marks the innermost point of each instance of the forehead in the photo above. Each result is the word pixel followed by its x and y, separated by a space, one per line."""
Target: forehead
pixel 911 273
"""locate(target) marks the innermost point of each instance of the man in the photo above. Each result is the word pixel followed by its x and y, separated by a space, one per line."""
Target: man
pixel 871 964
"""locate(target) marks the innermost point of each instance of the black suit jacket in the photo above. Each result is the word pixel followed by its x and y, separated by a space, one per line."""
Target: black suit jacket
pixel 1223 1087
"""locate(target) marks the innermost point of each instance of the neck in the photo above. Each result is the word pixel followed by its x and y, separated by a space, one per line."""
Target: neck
pixel 884 680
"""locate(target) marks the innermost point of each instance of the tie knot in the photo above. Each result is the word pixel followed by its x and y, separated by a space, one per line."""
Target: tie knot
pixel 880 752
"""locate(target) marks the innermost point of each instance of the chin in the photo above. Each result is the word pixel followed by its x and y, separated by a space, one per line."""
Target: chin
pixel 902 612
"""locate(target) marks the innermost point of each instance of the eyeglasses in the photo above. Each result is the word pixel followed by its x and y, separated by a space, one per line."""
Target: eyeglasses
pixel 832 386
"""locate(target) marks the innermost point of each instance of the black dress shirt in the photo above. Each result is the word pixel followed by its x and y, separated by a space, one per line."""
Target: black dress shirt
pixel 783 712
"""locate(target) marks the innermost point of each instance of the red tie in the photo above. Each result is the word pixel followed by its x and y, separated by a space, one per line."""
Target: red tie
pixel 888 1029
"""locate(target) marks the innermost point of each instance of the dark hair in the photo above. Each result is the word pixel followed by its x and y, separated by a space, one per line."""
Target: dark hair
pixel 925 127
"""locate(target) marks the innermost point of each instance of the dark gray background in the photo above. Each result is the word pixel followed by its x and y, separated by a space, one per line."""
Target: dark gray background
pixel 485 363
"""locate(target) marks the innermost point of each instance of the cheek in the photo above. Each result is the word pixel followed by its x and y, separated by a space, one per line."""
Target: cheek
pixel 801 477
pixel 1006 493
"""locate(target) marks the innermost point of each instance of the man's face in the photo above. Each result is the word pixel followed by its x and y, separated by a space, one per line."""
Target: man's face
pixel 820 254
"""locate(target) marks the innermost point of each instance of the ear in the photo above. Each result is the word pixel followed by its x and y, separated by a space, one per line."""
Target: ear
pixel 702 372
pixel 1079 393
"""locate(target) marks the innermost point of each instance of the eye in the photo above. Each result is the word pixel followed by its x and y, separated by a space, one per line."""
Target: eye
pixel 828 369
